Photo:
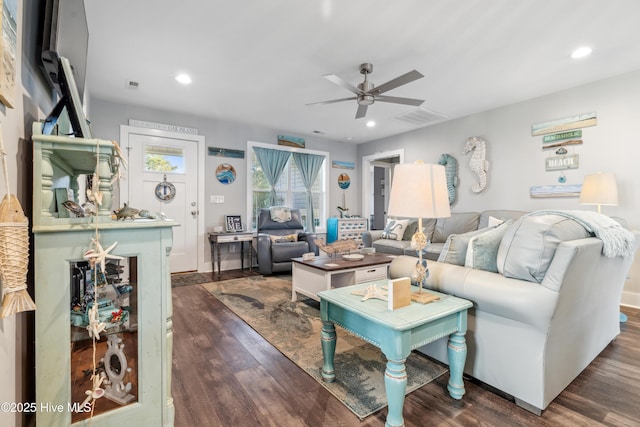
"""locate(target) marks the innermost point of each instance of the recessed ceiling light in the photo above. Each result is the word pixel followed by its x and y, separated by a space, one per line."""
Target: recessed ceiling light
pixel 371 123
pixel 183 78
pixel 581 52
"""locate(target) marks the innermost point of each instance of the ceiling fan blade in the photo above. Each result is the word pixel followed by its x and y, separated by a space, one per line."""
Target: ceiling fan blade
pixel 398 81
pixel 333 101
pixel 362 111
pixel 348 86
pixel 398 100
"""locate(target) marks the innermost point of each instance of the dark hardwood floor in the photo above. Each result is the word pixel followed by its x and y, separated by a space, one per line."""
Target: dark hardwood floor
pixel 225 374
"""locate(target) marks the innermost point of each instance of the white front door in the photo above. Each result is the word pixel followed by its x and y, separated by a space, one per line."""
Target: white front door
pixel 163 179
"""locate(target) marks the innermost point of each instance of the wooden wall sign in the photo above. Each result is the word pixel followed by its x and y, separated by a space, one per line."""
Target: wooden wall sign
pixel 557 163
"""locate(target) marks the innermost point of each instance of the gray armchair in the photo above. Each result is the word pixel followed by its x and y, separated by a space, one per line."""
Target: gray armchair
pixel 275 250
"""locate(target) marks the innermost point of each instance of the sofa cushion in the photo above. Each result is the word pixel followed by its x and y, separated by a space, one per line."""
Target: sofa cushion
pixel 431 252
pixel 457 223
pixel 394 247
pixel 395 228
pixel 455 248
pixel 528 246
pixel 482 251
pixel 283 252
pixel 500 214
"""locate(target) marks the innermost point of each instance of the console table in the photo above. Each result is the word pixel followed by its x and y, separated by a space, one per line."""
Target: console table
pixel 133 298
pixel 217 239
pixel 396 333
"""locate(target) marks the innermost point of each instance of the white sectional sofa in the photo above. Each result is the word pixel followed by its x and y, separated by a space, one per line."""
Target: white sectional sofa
pixel 551 308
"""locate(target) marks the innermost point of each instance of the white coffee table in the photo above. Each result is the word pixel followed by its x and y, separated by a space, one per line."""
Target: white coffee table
pixel 324 273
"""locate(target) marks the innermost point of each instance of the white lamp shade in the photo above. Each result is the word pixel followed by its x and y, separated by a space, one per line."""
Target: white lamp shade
pixel 599 189
pixel 419 190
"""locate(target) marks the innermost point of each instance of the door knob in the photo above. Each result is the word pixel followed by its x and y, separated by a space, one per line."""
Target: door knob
pixel 194 213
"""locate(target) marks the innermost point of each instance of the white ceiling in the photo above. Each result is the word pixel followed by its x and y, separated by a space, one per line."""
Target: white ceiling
pixel 261 61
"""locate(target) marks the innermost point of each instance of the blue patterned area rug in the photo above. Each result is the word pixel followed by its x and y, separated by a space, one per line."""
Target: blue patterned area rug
pixel 293 328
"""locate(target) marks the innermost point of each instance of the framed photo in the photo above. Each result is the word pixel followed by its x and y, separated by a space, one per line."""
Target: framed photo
pixel 233 223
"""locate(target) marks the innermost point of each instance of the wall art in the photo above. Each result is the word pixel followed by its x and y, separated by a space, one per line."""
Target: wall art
pixel 233 223
pixel 291 141
pixel 165 190
pixel 451 172
pixel 564 124
pixel 478 164
pixel 8 51
pixel 344 181
pixel 560 136
pixel 225 152
pixel 225 173
pixel 568 190
pixel 342 165
pixel 556 163
pixel 562 144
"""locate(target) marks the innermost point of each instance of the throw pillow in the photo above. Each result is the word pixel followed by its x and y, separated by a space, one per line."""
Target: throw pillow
pixel 528 247
pixel 395 229
pixel 455 248
pixel 284 239
pixel 493 221
pixel 482 250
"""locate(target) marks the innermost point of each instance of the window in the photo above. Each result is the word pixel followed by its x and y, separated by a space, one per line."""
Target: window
pixel 290 190
pixel 163 159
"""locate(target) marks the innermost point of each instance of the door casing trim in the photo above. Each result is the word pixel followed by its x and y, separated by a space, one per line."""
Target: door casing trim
pixel 126 130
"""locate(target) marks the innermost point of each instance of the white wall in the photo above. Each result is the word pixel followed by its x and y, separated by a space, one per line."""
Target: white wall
pixel 517 160
pixel 106 118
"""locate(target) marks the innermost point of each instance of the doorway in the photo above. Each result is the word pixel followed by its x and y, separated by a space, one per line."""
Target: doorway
pixel 377 174
pixel 164 177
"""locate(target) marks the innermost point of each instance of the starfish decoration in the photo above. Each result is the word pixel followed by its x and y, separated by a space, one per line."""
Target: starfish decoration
pixel 372 291
pixel 100 255
pixel 96 392
pixel 95 326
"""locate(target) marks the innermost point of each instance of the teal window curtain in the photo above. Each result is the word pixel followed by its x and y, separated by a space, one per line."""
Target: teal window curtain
pixel 273 163
pixel 309 165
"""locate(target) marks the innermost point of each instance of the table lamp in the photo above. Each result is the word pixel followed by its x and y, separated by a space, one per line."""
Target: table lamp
pixel 599 189
pixel 419 190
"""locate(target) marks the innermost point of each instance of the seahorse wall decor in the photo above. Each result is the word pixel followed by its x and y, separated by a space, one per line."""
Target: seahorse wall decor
pixel 478 164
pixel 451 171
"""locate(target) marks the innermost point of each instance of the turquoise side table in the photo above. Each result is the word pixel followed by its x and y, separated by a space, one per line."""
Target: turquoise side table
pixel 396 333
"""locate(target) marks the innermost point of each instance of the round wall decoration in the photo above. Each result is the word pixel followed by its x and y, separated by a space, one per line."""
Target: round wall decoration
pixel 225 173
pixel 165 191
pixel 344 181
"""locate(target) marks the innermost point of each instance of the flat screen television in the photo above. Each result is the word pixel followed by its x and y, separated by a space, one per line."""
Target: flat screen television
pixel 65 34
pixel 69 103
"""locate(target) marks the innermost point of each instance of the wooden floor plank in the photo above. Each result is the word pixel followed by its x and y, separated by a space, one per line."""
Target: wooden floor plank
pixel 225 374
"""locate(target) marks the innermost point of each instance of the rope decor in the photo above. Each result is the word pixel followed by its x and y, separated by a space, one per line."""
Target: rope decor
pixel 14 251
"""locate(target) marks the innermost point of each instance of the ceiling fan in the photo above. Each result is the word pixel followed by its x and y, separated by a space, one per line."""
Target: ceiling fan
pixel 367 93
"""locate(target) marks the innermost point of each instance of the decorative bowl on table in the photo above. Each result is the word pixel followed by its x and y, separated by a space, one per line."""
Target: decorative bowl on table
pixel 352 257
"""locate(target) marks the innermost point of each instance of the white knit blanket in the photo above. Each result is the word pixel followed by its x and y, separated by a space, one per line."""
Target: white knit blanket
pixel 280 213
pixel 616 240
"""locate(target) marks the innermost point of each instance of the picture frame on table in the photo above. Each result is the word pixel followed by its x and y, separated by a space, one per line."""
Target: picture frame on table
pixel 233 223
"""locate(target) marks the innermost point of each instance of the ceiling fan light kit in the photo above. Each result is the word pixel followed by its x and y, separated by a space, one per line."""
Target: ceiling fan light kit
pixel 366 93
